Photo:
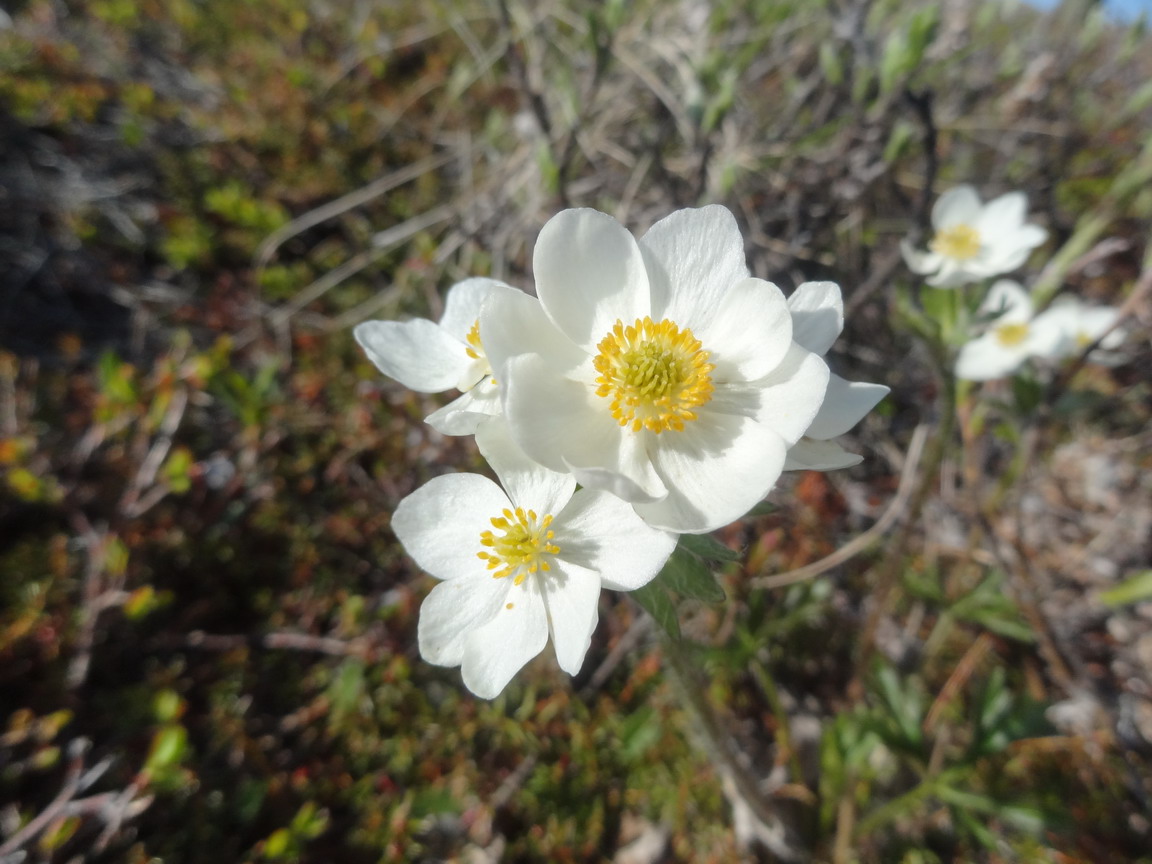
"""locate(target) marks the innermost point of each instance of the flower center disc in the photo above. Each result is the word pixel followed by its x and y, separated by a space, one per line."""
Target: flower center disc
pixel 654 375
pixel 960 242
pixel 520 551
pixel 1011 335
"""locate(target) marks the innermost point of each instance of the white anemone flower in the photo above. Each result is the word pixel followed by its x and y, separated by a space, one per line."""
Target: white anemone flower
pixel 817 310
pixel 657 370
pixel 431 357
pixel 974 241
pixel 1011 338
pixel 1082 325
pixel 518 563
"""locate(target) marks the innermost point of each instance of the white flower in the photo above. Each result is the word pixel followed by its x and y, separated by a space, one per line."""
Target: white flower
pixel 817 311
pixel 658 370
pixel 974 241
pixel 430 357
pixel 1011 338
pixel 1081 325
pixel 518 563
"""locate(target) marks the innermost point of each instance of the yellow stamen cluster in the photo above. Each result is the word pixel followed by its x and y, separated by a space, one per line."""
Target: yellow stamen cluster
pixel 960 242
pixel 474 350
pixel 520 551
pixel 1011 335
pixel 655 375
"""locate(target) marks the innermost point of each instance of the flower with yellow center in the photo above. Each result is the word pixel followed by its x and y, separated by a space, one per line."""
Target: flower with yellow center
pixel 519 562
pixel 973 241
pixel 1012 336
pixel 431 357
pixel 655 369
pixel 1082 325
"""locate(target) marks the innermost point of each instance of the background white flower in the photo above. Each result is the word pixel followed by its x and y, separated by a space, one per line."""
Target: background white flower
pixel 431 357
pixel 1081 325
pixel 519 563
pixel 1011 338
pixel 657 370
pixel 817 310
pixel 974 241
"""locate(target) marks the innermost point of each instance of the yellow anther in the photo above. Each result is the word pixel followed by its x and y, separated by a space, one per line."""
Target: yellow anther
pixel 653 374
pixel 520 551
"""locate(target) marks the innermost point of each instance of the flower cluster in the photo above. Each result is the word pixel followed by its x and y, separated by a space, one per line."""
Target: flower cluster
pixel 973 242
pixel 656 374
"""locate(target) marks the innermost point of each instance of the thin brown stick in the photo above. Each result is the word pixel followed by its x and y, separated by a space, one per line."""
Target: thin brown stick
pixel 345 203
pixel 858 544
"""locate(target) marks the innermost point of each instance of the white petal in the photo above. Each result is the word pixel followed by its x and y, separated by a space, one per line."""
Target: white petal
pixel 809 455
pixel 951 274
pixel 589 274
pixel 997 258
pixel 750 332
pixel 461 416
pixel 716 469
pixel 959 206
pixel 1047 337
pixel 571 595
pixel 565 426
pixel 512 324
pixel 600 532
pixel 496 651
pixel 1009 302
pixel 845 404
pixel 694 258
pixel 462 304
pixel 528 483
pixel 985 358
pixel 440 523
pixel 1002 216
pixel 789 399
pixel 417 353
pixel 919 261
pixel 817 315
pixel 452 611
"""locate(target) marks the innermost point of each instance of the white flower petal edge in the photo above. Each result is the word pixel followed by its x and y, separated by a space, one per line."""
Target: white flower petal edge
pixel 972 241
pixel 817 310
pixel 679 365
pixel 1080 325
pixel 808 454
pixel 518 565
pixel 430 357
pixel 462 415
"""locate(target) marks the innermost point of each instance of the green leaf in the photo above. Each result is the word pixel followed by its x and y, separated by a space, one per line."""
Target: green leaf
pixel 169 747
pixel 764 508
pixel 657 602
pixel 707 547
pixel 1133 590
pixel 688 576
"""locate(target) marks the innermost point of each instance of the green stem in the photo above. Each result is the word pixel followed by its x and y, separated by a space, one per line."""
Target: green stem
pixel 683 675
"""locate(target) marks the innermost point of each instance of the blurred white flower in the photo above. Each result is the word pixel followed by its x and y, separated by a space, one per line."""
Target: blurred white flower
pixel 518 563
pixel 817 310
pixel 429 358
pixel 974 241
pixel 1011 338
pixel 657 370
pixel 1081 325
